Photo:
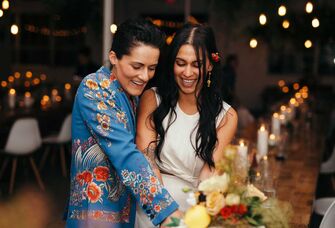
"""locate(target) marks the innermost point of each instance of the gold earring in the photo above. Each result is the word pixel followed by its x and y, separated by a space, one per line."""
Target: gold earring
pixel 209 79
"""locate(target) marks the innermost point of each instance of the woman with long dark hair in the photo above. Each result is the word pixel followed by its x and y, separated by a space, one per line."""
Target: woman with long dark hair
pixel 183 124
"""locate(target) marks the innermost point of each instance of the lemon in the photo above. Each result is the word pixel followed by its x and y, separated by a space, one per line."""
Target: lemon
pixel 197 217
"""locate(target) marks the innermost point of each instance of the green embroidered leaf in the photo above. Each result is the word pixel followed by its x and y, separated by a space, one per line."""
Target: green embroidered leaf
pixel 174 222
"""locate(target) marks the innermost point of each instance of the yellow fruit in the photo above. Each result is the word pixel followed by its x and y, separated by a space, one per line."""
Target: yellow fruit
pixel 197 217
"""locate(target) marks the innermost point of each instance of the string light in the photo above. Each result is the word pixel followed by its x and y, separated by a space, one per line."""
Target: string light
pixel 286 24
pixel 14 29
pixel 253 43
pixel 315 23
pixel 309 7
pixel 262 19
pixel 113 28
pixel 5 4
pixel 308 44
pixel 1 13
pixel 282 10
pixel 58 33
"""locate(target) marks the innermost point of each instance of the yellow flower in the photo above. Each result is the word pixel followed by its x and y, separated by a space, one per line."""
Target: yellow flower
pixel 215 183
pixel 102 106
pixel 214 202
pixel 91 84
pixel 105 83
pixel 197 217
pixel 232 199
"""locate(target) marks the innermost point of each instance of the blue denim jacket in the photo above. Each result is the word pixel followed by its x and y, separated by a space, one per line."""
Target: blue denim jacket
pixel 109 175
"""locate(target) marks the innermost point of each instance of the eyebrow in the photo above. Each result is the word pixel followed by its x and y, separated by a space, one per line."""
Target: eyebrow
pixel 178 58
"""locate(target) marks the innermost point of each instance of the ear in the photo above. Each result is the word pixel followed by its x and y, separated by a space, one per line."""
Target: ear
pixel 112 58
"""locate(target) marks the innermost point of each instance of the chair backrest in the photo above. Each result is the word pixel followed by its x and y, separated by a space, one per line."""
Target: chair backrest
pixel 65 131
pixel 24 137
pixel 328 220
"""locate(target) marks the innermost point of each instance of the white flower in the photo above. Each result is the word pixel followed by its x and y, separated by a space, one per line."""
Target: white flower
pixel 191 199
pixel 215 183
pixel 214 202
pixel 232 199
pixel 253 191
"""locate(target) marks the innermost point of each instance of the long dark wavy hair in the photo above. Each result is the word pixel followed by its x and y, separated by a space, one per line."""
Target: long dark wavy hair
pixel 209 101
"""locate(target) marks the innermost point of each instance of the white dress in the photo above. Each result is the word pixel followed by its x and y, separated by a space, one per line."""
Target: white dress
pixel 178 158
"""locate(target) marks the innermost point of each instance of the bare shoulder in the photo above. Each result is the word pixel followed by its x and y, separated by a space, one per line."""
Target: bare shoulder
pixel 230 118
pixel 148 100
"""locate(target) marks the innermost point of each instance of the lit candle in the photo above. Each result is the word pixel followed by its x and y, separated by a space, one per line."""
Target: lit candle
pixel 54 94
pixel 28 101
pixel 11 98
pixel 67 91
pixel 275 124
pixel 272 140
pixel 262 141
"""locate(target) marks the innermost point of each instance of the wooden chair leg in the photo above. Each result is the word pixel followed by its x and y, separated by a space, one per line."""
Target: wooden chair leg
pixel 44 157
pixel 12 177
pixel 63 161
pixel 37 174
pixel 3 167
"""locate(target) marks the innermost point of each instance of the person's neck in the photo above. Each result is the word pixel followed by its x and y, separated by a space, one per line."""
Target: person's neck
pixel 188 103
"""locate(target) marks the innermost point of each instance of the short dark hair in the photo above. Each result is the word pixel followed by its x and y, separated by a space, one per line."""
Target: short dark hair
pixel 134 32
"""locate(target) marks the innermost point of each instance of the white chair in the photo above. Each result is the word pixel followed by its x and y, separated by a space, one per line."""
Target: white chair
pixel 322 204
pixel 24 139
pixel 328 166
pixel 328 220
pixel 59 140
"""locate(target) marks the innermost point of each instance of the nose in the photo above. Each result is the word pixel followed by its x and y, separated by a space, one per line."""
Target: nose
pixel 144 76
pixel 188 71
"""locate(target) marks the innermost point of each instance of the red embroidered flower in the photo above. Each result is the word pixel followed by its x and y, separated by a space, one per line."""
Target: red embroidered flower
pixel 226 212
pixel 153 189
pixel 101 173
pixel 98 214
pixel 153 180
pixel 93 192
pixel 215 57
pixel 242 209
pixel 157 208
pixel 84 177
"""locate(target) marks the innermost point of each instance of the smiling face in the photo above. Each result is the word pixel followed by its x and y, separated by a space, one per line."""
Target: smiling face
pixel 186 70
pixel 133 71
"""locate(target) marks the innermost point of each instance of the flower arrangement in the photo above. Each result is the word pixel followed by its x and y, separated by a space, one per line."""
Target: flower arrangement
pixel 227 200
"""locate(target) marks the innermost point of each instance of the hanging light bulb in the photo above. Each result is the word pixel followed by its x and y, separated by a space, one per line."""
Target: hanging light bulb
pixel 315 23
pixel 14 29
pixel 253 43
pixel 5 4
pixel 1 13
pixel 113 28
pixel 282 10
pixel 309 7
pixel 286 24
pixel 308 44
pixel 262 19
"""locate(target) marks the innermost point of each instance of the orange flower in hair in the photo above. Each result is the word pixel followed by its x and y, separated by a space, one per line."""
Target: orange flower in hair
pixel 215 57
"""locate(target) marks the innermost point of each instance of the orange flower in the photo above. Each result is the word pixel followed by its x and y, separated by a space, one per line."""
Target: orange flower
pixel 93 192
pixel 91 84
pixel 101 173
pixel 97 214
pixel 153 179
pixel 85 176
pixel 153 189
pixel 157 208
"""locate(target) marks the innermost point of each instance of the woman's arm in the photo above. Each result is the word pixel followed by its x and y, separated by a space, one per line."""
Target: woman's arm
pixel 225 133
pixel 145 133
